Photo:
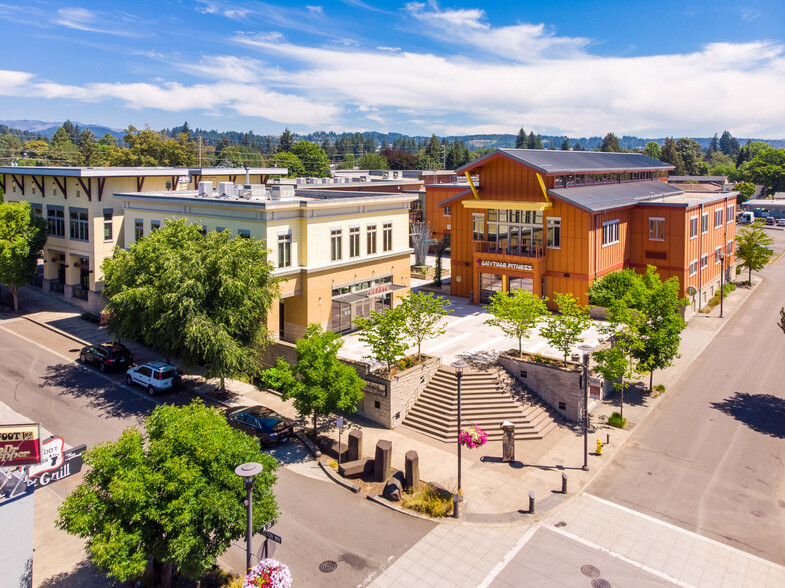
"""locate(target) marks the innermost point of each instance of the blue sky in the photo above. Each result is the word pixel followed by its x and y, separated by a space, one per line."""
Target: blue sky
pixel 572 67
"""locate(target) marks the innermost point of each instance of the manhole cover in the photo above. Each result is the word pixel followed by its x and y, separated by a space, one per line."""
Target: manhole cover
pixel 590 571
pixel 328 566
pixel 757 513
pixel 600 583
pixel 560 524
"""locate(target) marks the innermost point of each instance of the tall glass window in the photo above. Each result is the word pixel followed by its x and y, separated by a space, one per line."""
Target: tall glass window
pixel 387 236
pixel 56 217
pixel 554 232
pixel 354 241
pixel 107 224
pixel 336 245
pixel 138 229
pixel 79 228
pixel 371 239
pixel 656 229
pixel 285 250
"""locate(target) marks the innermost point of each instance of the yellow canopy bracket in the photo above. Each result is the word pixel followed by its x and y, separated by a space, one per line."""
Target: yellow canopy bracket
pixel 542 185
pixel 471 184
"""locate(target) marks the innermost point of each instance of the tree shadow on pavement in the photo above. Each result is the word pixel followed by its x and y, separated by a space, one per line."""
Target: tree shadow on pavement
pixel 106 397
pixel 760 412
pixel 83 575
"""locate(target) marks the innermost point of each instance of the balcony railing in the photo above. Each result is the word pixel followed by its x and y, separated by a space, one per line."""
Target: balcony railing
pixel 504 248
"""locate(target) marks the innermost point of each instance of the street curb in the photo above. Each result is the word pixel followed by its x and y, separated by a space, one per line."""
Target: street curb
pixel 336 478
pixel 403 511
pixel 56 330
pixel 308 443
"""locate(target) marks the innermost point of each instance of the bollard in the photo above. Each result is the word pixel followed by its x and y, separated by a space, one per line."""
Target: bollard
pixel 531 501
pixel 455 509
pixel 599 447
pixel 564 483
pixel 608 439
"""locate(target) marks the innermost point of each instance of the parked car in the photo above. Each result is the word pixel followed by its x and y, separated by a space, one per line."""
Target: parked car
pixel 107 356
pixel 781 222
pixel 261 422
pixel 156 376
pixel 769 220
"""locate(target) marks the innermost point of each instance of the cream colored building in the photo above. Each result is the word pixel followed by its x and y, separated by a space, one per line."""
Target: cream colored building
pixel 342 253
pixel 85 220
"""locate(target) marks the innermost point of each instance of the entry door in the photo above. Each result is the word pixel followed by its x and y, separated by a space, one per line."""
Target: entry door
pixel 489 285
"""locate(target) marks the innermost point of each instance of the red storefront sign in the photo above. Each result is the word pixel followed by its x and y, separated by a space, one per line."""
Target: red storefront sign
pixel 20 445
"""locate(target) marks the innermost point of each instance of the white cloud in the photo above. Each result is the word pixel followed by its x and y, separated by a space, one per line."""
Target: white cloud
pixel 225 67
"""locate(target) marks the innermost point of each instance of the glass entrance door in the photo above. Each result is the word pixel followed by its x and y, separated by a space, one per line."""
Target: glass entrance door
pixel 489 285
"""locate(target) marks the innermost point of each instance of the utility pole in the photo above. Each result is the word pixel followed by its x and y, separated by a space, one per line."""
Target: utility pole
pixel 199 150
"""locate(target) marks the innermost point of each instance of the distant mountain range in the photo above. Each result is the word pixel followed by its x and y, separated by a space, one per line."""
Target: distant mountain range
pixel 489 141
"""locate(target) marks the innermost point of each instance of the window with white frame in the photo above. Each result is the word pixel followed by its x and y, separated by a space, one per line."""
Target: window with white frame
pixel 478 226
pixel 704 223
pixel 693 267
pixel 730 213
pixel 448 211
pixel 610 232
pixel 554 232
pixel 107 224
pixel 718 218
pixel 656 229
pixel 729 247
pixel 354 241
pixel 336 244
pixel 717 255
pixel 371 239
pixel 285 249
pixel 138 229
pixel 693 227
pixel 78 224
pixel 704 261
pixel 387 237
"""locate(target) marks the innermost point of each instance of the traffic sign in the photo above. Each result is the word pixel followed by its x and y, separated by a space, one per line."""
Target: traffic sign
pixel 268 525
pixel 273 536
pixel 339 422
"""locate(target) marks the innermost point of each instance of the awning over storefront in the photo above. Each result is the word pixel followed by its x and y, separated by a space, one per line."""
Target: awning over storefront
pixel 380 290
pixel 508 204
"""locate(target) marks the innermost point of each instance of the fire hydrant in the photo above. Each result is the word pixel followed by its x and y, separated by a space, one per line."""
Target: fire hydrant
pixel 599 447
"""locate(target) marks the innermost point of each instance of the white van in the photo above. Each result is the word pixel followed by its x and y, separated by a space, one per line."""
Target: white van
pixel 746 218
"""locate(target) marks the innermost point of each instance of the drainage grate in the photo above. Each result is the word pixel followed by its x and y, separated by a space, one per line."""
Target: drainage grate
pixel 590 571
pixel 328 566
pixel 600 583
pixel 560 524
pixel 757 513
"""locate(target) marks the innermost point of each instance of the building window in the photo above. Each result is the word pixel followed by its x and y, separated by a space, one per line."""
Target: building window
pixel 478 227
pixel 693 227
pixel 108 224
pixel 78 225
pixel 718 218
pixel 284 249
pixel 203 230
pixel 704 261
pixel 354 241
pixel 554 232
pixel 729 247
pixel 56 217
pixel 656 229
pixel 387 237
pixel 155 225
pixel 610 233
pixel 38 211
pixel 717 253
pixel 704 223
pixel 138 229
pixel 335 245
pixel 730 213
pixel 371 238
pixel 693 267
pixel 244 233
pixel 447 211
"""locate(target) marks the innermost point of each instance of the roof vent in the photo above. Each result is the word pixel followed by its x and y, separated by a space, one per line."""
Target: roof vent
pixel 205 189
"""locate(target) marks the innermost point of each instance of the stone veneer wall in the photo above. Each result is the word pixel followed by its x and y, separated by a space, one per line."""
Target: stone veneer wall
pixel 560 388
pixel 387 401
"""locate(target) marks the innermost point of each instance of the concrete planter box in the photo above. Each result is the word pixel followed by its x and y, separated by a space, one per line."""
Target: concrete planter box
pixel 559 386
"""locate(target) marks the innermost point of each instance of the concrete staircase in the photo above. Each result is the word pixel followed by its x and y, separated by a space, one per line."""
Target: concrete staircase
pixel 485 401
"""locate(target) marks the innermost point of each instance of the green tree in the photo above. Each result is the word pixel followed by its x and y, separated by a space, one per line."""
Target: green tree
pixel 348 162
pixel 610 143
pixel 516 313
pixel 749 151
pixel 745 190
pixel 652 149
pixel 285 141
pixel 168 494
pixel 617 362
pixel 728 144
pixel 88 148
pixel 457 155
pixel 373 161
pixel 22 240
pixel 534 142
pixel 670 154
pixel 563 330
pixel 422 316
pixel 752 244
pixel 714 146
pixel 204 299
pixel 399 159
pixel 690 152
pixel 108 139
pixel 565 145
pixel 625 285
pixel 520 141
pixel 289 161
pixel 431 156
pixel 314 159
pixel 319 382
pixel 384 333
pixel 149 148
pixel 768 168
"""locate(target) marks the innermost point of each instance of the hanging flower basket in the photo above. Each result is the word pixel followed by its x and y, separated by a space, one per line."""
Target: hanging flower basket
pixel 472 437
pixel 269 573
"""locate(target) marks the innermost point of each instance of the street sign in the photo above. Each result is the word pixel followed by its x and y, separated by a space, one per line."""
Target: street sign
pixel 339 422
pixel 692 290
pixel 268 525
pixel 430 242
pixel 271 535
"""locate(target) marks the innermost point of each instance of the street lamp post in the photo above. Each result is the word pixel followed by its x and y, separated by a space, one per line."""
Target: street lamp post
pixel 459 366
pixel 722 280
pixel 247 471
pixel 586 349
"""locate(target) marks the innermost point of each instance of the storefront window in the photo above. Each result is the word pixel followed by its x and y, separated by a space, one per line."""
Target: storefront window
pixel 478 227
pixel 554 232
pixel 489 285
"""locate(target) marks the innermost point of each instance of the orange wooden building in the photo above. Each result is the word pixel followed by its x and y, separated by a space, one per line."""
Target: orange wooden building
pixel 554 221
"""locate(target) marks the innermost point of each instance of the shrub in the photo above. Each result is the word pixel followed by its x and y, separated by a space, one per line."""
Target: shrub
pixel 616 420
pixel 659 388
pixel 430 501
pixel 715 300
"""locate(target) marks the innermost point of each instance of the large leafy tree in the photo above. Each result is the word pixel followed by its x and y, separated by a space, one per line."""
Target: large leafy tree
pixel 652 149
pixel 670 154
pixel 516 313
pixel 22 239
pixel 690 152
pixel 373 161
pixel 745 190
pixel 289 161
pixel 319 382
pixel 168 494
pixel 286 140
pixel 729 144
pixel 563 330
pixel 204 299
pixel 422 315
pixel 313 158
pixel 150 148
pixel 768 168
pixel 610 143
pixel 625 285
pixel 752 247
pixel 399 159
pixel 384 333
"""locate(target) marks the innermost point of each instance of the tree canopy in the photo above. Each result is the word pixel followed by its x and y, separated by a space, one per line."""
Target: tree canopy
pixel 373 161
pixel 516 313
pixel 313 158
pixel 319 382
pixel 752 244
pixel 204 299
pixel 610 143
pixel 563 330
pixel 289 161
pixel 422 316
pixel 22 240
pixel 768 168
pixel 384 333
pixel 151 148
pixel 169 493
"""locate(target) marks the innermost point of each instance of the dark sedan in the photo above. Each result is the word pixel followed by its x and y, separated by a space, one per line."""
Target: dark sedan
pixel 261 422
pixel 107 356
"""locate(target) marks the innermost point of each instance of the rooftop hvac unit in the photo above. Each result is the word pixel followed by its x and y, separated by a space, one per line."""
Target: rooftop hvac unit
pixel 281 191
pixel 225 189
pixel 205 189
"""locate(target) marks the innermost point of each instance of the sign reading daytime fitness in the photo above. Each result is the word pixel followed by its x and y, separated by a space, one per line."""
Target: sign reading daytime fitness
pixel 524 267
pixel 20 445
